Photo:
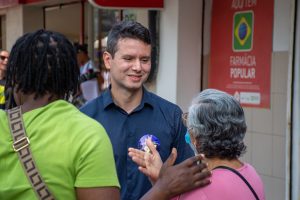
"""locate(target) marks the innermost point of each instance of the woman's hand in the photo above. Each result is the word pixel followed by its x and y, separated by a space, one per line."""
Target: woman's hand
pixel 149 163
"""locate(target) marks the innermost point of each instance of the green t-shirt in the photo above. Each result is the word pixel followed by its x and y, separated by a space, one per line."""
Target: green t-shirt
pixel 70 150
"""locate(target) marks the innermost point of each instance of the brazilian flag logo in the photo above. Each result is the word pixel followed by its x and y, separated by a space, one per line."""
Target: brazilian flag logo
pixel 243 31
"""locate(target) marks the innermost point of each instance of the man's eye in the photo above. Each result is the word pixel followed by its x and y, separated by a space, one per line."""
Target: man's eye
pixel 127 59
pixel 145 60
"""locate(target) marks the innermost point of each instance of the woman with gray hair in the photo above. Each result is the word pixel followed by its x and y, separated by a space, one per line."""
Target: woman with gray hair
pixel 216 128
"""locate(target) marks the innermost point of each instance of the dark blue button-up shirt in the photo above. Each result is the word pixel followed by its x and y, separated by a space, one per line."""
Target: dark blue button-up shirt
pixel 154 116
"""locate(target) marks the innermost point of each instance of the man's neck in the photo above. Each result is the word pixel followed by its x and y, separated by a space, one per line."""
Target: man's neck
pixel 127 100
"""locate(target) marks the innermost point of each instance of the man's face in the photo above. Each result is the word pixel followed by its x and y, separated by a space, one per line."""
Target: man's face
pixel 3 60
pixel 131 65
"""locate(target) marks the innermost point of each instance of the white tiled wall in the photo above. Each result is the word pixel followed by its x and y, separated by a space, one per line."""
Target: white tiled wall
pixel 262 121
pixel 262 155
pixel 279 157
pixel 279 114
pixel 274 187
pixel 266 136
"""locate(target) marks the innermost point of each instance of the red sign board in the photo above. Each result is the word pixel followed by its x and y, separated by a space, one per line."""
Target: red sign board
pixel 128 3
pixel 241 48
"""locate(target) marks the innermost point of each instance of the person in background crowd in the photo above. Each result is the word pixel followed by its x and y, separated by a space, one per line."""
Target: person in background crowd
pixel 87 68
pixel 129 112
pixel 90 76
pixel 216 127
pixel 106 78
pixel 3 65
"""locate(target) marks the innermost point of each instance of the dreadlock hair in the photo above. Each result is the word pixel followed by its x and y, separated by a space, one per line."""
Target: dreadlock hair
pixel 43 62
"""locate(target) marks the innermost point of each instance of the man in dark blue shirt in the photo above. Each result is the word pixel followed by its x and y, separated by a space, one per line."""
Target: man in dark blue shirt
pixel 128 111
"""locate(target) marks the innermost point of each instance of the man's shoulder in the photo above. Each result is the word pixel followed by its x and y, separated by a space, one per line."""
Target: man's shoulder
pixel 158 100
pixel 92 104
pixel 95 107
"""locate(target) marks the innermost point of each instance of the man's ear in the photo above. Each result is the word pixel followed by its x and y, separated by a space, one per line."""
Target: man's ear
pixel 107 57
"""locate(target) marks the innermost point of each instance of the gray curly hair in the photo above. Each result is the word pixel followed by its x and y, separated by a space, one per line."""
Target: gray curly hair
pixel 218 123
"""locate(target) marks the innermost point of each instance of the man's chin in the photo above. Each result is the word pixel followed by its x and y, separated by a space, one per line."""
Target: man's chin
pixel 134 89
pixel 135 86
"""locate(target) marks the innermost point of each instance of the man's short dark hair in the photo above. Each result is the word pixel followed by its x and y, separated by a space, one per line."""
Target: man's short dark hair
pixel 43 62
pixel 126 29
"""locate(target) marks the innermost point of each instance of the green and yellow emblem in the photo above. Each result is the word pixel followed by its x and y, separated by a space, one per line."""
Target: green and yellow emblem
pixel 243 31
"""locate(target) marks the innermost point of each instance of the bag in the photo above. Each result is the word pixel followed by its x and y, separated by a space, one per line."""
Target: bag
pixel 21 146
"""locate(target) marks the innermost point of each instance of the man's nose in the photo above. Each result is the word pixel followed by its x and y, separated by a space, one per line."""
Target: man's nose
pixel 137 65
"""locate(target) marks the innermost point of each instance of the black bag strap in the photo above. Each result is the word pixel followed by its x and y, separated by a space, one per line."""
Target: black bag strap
pixel 21 146
pixel 241 176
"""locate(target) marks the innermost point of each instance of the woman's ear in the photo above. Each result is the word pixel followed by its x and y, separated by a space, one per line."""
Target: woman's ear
pixel 195 142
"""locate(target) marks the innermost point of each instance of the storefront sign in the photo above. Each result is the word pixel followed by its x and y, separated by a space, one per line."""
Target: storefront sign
pixel 241 48
pixel 155 4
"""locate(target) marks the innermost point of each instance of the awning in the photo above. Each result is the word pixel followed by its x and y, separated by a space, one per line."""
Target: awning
pixel 9 3
pixel 29 1
pixel 150 4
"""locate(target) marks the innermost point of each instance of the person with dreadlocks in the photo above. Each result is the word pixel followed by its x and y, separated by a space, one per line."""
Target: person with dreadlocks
pixel 72 152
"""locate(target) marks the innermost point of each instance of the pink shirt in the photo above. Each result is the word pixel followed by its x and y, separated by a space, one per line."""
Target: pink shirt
pixel 226 185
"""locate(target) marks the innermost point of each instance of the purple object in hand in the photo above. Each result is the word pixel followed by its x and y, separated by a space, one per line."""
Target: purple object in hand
pixel 142 143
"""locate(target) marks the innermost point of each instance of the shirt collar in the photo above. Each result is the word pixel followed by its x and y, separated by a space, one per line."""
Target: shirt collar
pixel 107 98
pixel 146 99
